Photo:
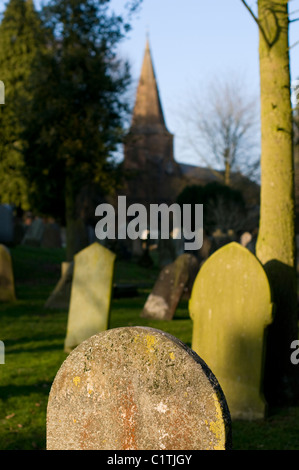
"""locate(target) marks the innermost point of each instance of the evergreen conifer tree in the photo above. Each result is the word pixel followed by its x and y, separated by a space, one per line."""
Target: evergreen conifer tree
pixel 21 38
pixel 75 119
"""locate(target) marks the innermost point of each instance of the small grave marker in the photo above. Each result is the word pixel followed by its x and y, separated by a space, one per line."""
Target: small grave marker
pixel 90 294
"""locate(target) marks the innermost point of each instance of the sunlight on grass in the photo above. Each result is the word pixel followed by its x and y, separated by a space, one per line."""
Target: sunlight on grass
pixel 34 339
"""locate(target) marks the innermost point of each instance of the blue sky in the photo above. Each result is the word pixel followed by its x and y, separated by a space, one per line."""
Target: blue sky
pixel 193 42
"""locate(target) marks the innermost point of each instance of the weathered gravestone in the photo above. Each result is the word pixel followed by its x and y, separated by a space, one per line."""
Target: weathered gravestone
pixel 7 285
pixel 231 307
pixel 169 288
pixel 90 295
pixel 136 388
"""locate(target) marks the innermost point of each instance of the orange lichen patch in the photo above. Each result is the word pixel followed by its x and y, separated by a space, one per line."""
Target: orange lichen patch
pixel 128 413
pixel 179 435
pixel 142 390
pixel 86 435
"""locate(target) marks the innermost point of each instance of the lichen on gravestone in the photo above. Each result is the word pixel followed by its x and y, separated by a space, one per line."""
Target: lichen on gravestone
pixel 136 388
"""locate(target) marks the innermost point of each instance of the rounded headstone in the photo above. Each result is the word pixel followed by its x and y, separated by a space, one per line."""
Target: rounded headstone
pixel 91 293
pixel 231 307
pixel 136 388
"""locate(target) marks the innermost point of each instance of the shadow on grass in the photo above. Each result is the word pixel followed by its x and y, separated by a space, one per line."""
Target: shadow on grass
pixel 45 348
pixel 35 441
pixel 277 432
pixel 8 391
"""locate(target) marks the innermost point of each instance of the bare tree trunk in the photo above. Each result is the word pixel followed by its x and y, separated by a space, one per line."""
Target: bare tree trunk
pixel 227 170
pixel 276 240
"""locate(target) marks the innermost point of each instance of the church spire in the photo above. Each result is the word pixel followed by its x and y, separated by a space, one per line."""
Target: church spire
pixel 148 114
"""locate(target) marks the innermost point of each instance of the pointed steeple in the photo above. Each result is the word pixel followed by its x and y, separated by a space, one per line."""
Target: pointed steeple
pixel 148 114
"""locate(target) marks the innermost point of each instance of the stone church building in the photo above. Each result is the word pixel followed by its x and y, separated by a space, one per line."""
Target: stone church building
pixel 152 173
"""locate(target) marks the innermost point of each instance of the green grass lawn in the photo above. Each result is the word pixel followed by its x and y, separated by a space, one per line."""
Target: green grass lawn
pixel 34 339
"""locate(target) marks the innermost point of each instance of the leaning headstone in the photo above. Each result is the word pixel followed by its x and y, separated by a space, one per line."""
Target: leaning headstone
pixel 90 295
pixel 231 307
pixel 136 388
pixel 60 297
pixel 162 302
pixel 7 285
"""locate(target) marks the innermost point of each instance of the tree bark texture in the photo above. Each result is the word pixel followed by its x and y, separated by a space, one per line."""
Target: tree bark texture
pixel 276 239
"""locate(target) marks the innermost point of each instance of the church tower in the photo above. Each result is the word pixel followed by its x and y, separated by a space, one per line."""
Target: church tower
pixel 152 173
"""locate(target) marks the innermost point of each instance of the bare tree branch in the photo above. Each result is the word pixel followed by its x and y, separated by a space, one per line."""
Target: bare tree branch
pixel 293 45
pixel 221 127
pixel 257 22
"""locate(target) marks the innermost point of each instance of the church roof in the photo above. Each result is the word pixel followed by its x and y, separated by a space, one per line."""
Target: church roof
pixel 148 113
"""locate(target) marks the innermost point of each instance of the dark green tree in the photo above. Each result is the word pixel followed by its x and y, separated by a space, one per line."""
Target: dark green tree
pixel 74 122
pixel 224 207
pixel 21 36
